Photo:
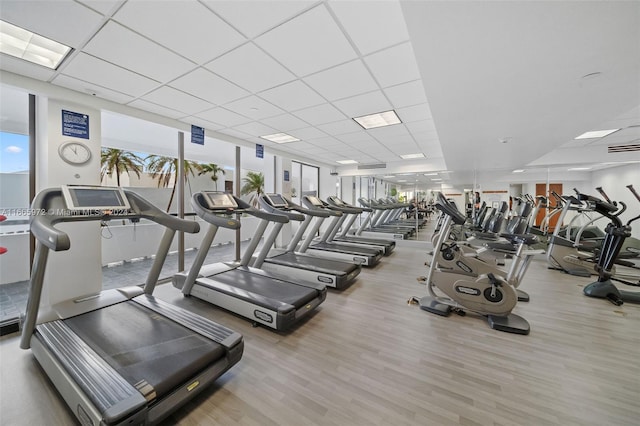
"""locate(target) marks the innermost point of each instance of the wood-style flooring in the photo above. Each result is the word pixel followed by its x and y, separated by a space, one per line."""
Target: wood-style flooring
pixel 369 358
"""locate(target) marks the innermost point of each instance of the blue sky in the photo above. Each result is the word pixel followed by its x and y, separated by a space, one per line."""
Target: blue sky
pixel 14 152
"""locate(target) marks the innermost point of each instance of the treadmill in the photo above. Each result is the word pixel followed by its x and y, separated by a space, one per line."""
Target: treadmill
pixel 298 266
pixel 237 287
pixel 333 250
pixel 350 213
pixel 368 228
pixel 121 356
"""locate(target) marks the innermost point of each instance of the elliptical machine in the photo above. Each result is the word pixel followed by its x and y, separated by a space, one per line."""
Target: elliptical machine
pixel 489 294
pixel 616 233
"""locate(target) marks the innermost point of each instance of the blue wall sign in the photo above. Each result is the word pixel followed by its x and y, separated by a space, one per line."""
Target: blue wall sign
pixel 75 124
pixel 259 150
pixel 197 135
pixel 286 175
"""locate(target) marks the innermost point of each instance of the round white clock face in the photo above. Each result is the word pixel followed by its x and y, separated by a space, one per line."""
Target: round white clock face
pixel 75 153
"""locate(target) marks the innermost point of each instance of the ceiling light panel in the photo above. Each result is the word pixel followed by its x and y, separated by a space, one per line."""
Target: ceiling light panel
pixel 206 85
pixel 596 134
pixel 74 23
pixel 518 171
pixel 263 73
pixel 576 169
pixel 384 24
pixel 394 65
pixel 93 70
pixel 115 43
pixel 381 119
pixel 280 138
pixel 411 156
pixel 20 43
pixel 185 27
pixel 308 43
pixel 343 81
pixel 347 161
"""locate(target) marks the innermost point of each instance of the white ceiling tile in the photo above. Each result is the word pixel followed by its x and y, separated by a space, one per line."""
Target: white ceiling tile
pixel 201 123
pixel 236 133
pixel 292 96
pixel 414 113
pixel 421 126
pixel 328 142
pixel 394 65
pixel 308 43
pixel 103 6
pixel 320 114
pixel 254 17
pixel 340 127
pixel 121 46
pixel 285 122
pixel 254 107
pixel 426 137
pixel 105 74
pixel 206 85
pixel 373 26
pixel 155 108
pixel 360 105
pixel 27 69
pixel 64 21
pixel 406 94
pixel 360 136
pixel 262 73
pixel 84 87
pixel 255 129
pixel 342 81
pixel 389 131
pixel 187 27
pixel 178 100
pixel 223 117
pixel 307 133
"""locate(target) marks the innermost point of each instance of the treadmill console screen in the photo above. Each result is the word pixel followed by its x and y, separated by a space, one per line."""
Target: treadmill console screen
pixel 219 200
pixel 315 201
pixel 95 198
pixel 339 202
pixel 276 200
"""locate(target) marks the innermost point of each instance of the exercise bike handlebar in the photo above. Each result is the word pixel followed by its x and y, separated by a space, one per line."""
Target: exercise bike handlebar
pixel 633 191
pixel 604 195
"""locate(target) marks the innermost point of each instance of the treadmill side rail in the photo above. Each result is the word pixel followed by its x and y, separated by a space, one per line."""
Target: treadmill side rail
pixel 214 331
pixel 110 394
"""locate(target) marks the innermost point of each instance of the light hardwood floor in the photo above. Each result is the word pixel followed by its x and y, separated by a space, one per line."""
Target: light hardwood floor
pixel 368 358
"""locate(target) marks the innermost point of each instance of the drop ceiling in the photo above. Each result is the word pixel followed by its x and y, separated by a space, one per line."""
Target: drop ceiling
pixel 464 77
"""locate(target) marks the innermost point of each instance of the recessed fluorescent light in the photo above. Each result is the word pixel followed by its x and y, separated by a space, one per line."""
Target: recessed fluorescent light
pixel 431 174
pixel 380 119
pixel 280 138
pixel 436 179
pixel 410 156
pixel 347 161
pixel 388 177
pixel 402 180
pixel 575 169
pixel 596 134
pixel 518 171
pixel 23 44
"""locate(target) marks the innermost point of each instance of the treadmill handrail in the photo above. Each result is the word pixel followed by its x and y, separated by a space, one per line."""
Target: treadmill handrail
pixel 287 211
pixel 310 212
pixel 197 203
pixel 306 201
pixel 52 202
pixel 344 209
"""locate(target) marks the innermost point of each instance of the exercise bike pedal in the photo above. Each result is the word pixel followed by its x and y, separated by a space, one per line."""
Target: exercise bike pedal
pixel 459 311
pixel 421 278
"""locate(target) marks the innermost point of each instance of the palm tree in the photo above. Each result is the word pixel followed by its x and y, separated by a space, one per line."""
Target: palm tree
pixel 253 182
pixel 118 161
pixel 212 169
pixel 165 168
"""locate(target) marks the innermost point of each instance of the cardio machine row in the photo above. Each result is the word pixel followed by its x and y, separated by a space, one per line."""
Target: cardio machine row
pixel 124 357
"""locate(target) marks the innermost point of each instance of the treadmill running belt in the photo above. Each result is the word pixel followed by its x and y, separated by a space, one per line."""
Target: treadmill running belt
pixel 145 347
pixel 316 264
pixel 272 288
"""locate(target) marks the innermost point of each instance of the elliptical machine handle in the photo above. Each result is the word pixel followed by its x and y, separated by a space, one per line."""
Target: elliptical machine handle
pixel 633 191
pixel 604 194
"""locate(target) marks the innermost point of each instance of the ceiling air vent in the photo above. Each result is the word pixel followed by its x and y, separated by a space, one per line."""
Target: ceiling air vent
pixel 372 166
pixel 624 148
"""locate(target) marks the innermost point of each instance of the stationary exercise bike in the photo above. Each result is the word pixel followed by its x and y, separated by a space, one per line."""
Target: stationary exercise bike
pixel 616 233
pixel 491 295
